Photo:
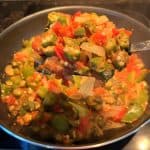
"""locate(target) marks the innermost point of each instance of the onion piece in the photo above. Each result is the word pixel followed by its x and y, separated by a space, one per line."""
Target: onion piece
pixel 86 86
pixel 113 125
pixel 93 48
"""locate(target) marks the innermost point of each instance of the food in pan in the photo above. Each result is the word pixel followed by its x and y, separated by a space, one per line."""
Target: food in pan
pixel 76 80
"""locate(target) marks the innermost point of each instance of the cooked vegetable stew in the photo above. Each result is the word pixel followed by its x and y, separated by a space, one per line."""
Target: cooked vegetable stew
pixel 76 79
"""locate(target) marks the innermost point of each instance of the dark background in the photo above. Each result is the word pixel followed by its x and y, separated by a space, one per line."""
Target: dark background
pixel 11 11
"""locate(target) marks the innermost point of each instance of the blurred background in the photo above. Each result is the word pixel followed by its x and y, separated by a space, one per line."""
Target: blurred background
pixel 11 11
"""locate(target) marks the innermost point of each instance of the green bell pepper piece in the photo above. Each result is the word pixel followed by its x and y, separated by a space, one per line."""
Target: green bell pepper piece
pixel 77 80
pixel 110 46
pixel 28 106
pixel 71 42
pixel 80 32
pixel 5 89
pixel 16 81
pixel 97 63
pixel 49 51
pixel 123 40
pixel 57 17
pixel 27 70
pixel 138 107
pixel 90 26
pixel 143 75
pixel 82 111
pixel 106 72
pixel 134 112
pixel 22 111
pixel 72 53
pixel 133 78
pixel 31 105
pixel 27 43
pixel 49 40
pixel 62 20
pixel 60 123
pixel 82 71
pixel 49 99
pixel 42 91
pixel 143 97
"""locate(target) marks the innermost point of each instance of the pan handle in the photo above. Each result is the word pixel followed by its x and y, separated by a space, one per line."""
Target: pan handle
pixel 140 46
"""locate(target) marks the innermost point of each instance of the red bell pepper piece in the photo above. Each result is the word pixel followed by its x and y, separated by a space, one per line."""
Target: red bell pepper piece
pixel 115 32
pixel 53 86
pixel 59 51
pixel 78 13
pixel 36 44
pixel 63 30
pixel 84 125
pixel 132 64
pixel 129 33
pixel 98 38
pixel 113 112
pixel 10 100
pixel 20 56
pixel 119 114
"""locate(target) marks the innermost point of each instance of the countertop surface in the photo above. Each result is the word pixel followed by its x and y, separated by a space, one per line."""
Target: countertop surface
pixel 11 11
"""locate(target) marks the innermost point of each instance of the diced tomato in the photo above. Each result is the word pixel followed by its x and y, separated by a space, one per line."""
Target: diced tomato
pixel 68 31
pixel 113 112
pixel 120 112
pixel 78 13
pixel 10 100
pixel 44 81
pixel 132 64
pixel 63 30
pixel 53 86
pixel 20 56
pixel 129 33
pixel 121 75
pixel 98 38
pixel 115 32
pixel 80 64
pixel 99 91
pixel 71 91
pixel 74 26
pixel 84 124
pixel 36 44
pixel 56 27
pixel 59 51
pixel 60 40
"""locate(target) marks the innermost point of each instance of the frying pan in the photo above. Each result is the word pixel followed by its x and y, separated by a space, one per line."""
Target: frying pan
pixel 11 39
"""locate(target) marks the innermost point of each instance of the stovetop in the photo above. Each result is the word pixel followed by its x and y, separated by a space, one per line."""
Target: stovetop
pixel 11 11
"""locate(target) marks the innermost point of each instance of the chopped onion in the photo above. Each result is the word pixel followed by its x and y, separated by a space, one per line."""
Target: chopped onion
pixel 93 48
pixel 86 86
pixel 112 125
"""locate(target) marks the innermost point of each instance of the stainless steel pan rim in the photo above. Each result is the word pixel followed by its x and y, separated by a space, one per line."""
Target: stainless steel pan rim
pixel 54 146
pixel 51 146
pixel 69 7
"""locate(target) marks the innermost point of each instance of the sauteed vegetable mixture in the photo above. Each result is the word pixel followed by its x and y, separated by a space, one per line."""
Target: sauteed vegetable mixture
pixel 76 79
